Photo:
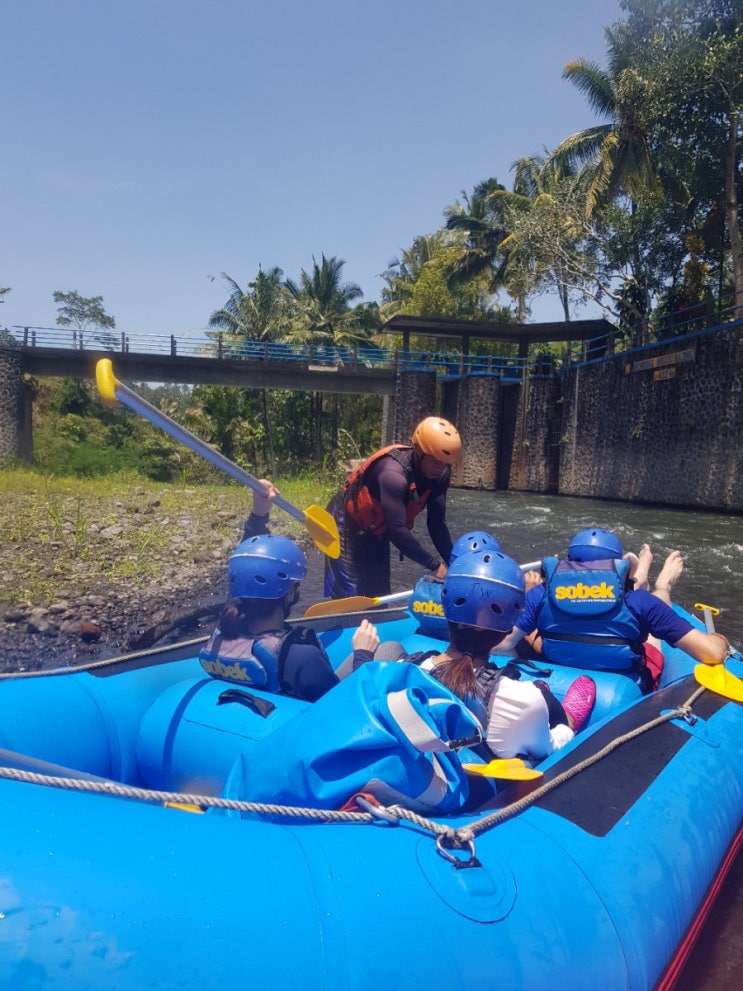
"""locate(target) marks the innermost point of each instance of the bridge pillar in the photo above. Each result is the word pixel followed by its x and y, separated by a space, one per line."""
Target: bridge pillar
pixel 415 398
pixel 12 406
pixel 478 417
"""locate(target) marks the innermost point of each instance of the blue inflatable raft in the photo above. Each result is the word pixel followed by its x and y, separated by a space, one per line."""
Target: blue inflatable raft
pixel 152 836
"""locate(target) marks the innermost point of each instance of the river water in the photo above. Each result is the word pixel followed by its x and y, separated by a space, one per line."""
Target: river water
pixel 531 526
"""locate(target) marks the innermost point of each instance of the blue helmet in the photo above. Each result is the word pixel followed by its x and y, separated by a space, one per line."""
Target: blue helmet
pixel 265 567
pixel 485 589
pixel 594 545
pixel 475 540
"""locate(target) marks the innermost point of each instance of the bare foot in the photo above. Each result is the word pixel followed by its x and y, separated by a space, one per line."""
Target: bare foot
pixel 532 578
pixel 670 573
pixel 639 569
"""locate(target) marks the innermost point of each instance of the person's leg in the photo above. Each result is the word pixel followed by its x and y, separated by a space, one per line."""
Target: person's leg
pixel 672 569
pixel 340 573
pixel 371 560
pixel 639 570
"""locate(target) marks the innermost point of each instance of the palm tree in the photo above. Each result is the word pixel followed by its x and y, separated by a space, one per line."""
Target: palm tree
pixel 402 273
pixel 482 219
pixel 614 157
pixel 323 315
pixel 322 306
pixel 261 314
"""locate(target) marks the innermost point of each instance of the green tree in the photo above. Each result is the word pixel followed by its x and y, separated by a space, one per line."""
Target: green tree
pixel 260 314
pixel 545 246
pixel 86 316
pixel 484 222
pixel 324 315
pixel 418 282
pixel 692 52
pixel 615 156
pixel 224 417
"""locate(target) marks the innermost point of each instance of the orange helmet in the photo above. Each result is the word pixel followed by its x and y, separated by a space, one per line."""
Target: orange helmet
pixel 439 438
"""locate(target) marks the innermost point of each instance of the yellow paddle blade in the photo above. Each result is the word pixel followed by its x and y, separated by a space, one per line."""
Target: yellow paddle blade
pixel 336 607
pixel 323 529
pixel 508 769
pixel 718 679
pixel 106 381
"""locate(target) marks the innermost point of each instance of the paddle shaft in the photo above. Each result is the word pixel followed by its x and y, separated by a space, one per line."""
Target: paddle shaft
pixel 356 603
pixel 164 422
pixel 708 612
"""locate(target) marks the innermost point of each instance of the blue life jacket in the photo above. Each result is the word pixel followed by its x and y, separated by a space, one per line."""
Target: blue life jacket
pixel 246 660
pixel 425 605
pixel 584 619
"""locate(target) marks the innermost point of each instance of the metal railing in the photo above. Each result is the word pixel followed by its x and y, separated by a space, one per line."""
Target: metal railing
pixel 674 328
pixel 223 347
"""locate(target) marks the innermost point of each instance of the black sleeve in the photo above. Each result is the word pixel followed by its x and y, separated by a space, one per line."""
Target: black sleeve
pixel 437 527
pixel 307 672
pixel 255 526
pixel 393 497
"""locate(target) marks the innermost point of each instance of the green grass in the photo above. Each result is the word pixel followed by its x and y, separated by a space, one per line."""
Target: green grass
pixel 51 528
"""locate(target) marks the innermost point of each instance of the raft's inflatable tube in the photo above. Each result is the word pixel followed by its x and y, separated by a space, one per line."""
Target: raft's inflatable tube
pixel 600 876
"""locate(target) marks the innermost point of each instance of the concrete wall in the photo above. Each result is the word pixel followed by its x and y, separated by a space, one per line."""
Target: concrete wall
pixel 670 434
pixel 664 425
pixel 13 441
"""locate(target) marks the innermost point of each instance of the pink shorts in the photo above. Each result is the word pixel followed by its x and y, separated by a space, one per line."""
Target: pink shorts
pixel 654 661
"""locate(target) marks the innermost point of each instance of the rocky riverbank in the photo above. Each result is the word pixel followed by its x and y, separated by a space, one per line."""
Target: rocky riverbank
pixel 86 576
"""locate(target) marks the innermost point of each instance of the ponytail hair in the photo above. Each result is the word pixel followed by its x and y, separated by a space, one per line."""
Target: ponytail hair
pixel 458 675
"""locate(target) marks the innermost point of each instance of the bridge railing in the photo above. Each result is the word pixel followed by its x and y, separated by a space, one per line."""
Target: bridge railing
pixel 223 346
pixel 219 346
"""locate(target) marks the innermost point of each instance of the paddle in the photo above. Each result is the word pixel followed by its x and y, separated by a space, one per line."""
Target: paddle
pixel 321 526
pixel 507 769
pixel 358 603
pixel 716 677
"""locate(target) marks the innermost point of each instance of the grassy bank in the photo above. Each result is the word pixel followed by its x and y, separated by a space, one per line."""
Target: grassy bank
pixel 67 536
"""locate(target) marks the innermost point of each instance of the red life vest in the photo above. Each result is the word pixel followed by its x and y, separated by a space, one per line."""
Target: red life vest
pixel 364 509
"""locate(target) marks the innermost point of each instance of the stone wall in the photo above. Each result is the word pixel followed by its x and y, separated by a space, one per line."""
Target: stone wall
pixel 663 426
pixel 535 455
pixel 415 398
pixel 479 407
pixel 12 414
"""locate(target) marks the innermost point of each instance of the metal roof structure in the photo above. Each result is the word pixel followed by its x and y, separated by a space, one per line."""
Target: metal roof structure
pixel 522 334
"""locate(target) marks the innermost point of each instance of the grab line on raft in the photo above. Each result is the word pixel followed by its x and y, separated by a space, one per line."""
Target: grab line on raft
pixel 460 838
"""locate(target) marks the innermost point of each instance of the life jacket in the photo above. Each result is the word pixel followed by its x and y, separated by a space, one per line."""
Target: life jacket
pixel 257 661
pixel 425 605
pixel 364 509
pixel 584 619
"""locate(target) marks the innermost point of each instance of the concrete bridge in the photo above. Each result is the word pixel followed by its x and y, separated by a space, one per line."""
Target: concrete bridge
pixel 223 359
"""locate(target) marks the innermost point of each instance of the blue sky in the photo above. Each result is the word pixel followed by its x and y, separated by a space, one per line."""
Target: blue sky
pixel 147 146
